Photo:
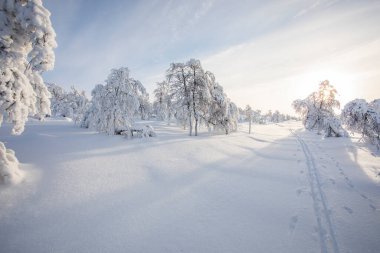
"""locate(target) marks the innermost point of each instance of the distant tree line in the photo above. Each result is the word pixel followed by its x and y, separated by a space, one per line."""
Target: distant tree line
pixel 71 104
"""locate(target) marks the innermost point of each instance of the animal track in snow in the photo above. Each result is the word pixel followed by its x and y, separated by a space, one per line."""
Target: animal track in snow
pixel 349 210
pixel 373 207
pixel 293 222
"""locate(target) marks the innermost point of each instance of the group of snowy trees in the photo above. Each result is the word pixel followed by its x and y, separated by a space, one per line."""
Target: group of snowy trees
pixel 255 116
pixel 192 96
pixel 115 105
pixel 71 104
pixel 317 111
pixel 27 40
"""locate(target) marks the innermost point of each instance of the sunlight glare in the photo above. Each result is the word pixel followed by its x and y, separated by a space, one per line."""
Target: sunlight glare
pixel 343 82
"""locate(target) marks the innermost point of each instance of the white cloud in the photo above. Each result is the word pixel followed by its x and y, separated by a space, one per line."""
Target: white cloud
pixel 271 71
pixel 265 53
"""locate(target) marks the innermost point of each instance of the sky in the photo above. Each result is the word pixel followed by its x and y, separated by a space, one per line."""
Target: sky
pixel 264 53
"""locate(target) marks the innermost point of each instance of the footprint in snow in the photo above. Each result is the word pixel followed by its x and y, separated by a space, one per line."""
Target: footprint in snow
pixel 293 222
pixel 349 210
pixel 332 180
pixel 373 207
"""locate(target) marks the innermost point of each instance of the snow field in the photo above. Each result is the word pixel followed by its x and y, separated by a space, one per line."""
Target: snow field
pixel 280 189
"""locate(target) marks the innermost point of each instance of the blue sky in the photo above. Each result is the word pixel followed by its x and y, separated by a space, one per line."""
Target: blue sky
pixel 264 53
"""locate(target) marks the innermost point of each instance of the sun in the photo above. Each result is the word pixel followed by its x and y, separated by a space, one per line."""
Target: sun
pixel 343 82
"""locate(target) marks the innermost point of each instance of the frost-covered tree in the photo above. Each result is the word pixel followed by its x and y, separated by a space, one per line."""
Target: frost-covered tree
pixel 248 113
pixel 178 79
pixel 57 100
pixel 232 117
pixel 72 104
pixel 197 99
pixel 317 111
pixel 363 118
pixel 199 92
pixel 144 109
pixel 27 40
pixel 114 105
pixel 257 117
pixel 78 104
pixel 218 104
pixel 94 116
pixel 163 102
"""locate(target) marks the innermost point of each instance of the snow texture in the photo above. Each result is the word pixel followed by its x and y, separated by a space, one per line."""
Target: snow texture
pixel 282 189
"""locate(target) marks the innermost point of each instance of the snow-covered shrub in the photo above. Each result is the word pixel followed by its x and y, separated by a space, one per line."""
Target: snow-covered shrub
pixel 148 131
pixel 363 118
pixel 27 40
pixel 332 127
pixel 9 171
pixel 317 111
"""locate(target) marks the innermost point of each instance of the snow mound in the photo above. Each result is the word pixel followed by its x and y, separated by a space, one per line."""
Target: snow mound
pixel 9 171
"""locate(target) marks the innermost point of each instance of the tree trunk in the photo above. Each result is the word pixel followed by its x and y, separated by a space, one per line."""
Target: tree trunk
pixel 190 124
pixel 250 121
pixel 196 127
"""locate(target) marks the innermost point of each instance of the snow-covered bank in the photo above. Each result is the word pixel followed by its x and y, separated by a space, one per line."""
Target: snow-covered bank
pixel 280 189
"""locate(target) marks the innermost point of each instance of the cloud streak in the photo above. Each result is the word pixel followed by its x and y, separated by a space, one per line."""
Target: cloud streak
pixel 265 53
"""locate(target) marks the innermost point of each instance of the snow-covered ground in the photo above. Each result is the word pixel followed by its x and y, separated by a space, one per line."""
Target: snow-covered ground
pixel 280 189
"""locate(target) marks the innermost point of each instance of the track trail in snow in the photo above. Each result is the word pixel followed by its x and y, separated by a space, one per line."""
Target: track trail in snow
pixel 327 235
pixel 346 179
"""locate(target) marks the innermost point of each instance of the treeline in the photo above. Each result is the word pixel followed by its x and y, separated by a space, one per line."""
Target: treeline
pixel 189 95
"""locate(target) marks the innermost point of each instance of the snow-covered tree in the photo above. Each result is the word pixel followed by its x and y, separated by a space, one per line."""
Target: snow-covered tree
pixel 363 118
pixel 163 102
pixel 27 40
pixel 57 100
pixel 144 109
pixel 114 105
pixel 199 92
pixel 72 104
pixel 248 113
pixel 317 111
pixel 232 117
pixel 197 99
pixel 218 105
pixel 94 117
pixel 178 79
